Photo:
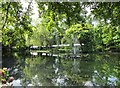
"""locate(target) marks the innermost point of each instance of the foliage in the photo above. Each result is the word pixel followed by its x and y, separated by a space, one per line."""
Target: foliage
pixel 5 78
pixel 60 22
pixel 107 36
pixel 107 31
pixel 108 11
pixel 57 17
pixel 4 74
pixel 40 37
pixel 60 8
pixel 16 24
pixel 82 34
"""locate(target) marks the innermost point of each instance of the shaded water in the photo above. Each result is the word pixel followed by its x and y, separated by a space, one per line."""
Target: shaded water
pixel 87 69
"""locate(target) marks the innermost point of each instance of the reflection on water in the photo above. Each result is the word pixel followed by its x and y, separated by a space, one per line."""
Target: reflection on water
pixel 87 70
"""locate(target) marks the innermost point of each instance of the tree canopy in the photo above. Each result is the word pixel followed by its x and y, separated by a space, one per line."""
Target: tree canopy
pixel 58 19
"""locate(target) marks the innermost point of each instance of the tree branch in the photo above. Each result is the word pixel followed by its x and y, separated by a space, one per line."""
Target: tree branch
pixel 6 15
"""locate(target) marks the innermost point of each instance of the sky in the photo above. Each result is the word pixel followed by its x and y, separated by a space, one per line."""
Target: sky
pixel 35 10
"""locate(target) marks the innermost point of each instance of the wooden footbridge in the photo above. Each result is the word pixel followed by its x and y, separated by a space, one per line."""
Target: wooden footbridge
pixel 55 46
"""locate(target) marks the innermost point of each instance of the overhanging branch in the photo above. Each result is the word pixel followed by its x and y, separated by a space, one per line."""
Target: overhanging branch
pixel 6 16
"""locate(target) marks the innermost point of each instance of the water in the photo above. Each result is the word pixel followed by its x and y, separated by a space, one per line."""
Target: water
pixel 64 70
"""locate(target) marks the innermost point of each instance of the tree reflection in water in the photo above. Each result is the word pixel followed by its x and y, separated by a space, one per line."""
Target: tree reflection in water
pixel 98 69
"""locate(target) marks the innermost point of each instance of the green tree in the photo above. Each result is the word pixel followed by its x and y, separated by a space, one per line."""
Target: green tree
pixel 106 37
pixel 16 24
pixel 59 17
pixel 83 33
pixel 107 16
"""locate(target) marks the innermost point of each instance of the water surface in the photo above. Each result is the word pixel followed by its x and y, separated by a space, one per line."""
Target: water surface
pixel 64 70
